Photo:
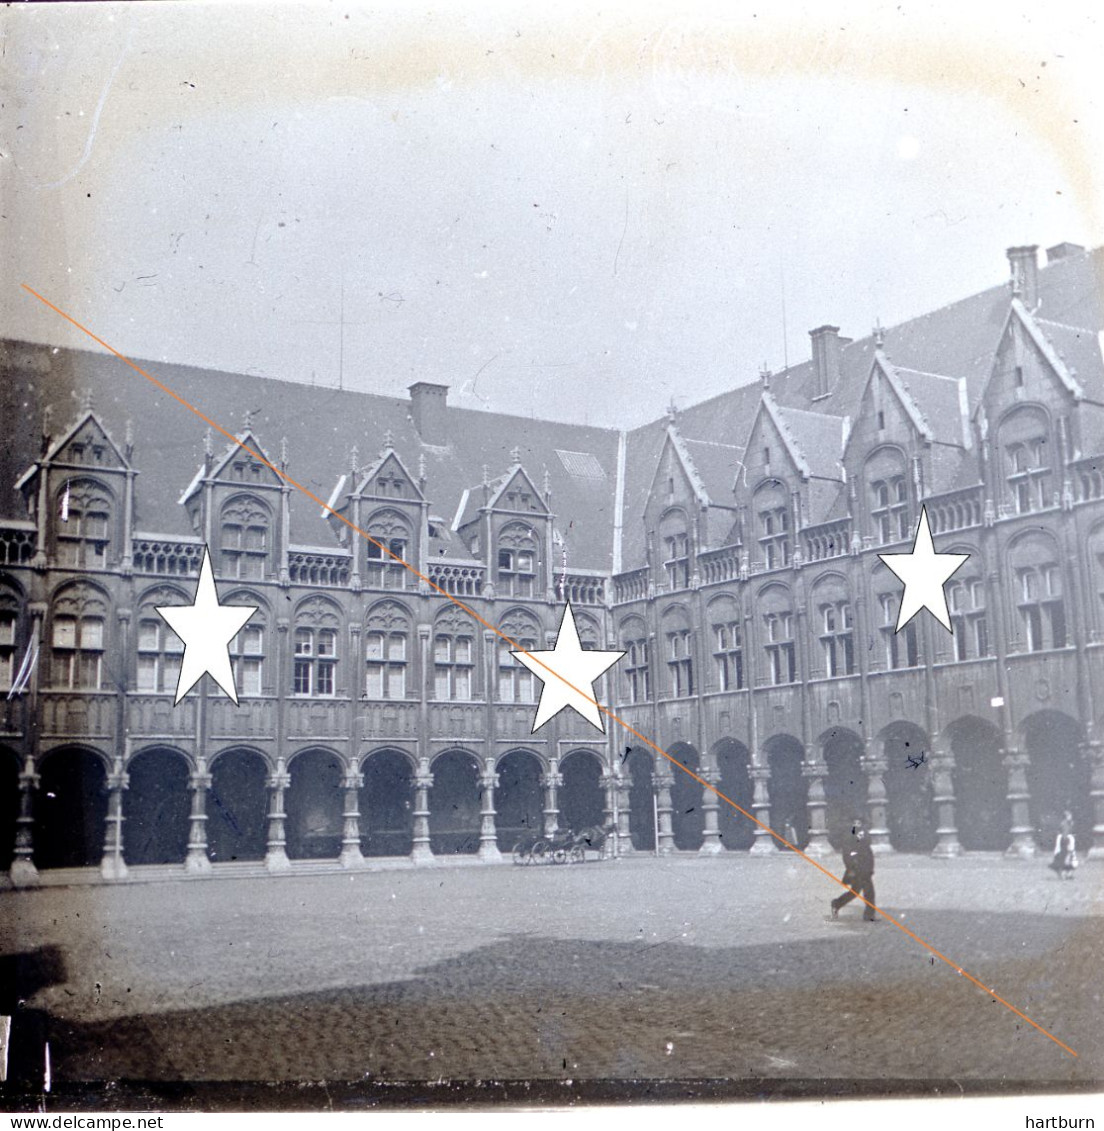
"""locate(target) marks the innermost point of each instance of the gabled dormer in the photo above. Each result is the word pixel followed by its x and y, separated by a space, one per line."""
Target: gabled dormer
pixel 677 500
pixel 80 494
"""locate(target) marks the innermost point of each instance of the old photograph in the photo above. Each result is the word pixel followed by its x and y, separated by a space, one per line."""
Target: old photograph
pixel 550 556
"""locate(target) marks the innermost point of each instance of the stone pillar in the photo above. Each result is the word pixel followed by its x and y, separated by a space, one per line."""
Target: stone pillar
pixel 946 831
pixel 23 872
pixel 711 804
pixel 276 855
pixel 816 806
pixel 876 804
pixel 550 783
pixel 662 781
pixel 197 862
pixel 1023 835
pixel 488 841
pixel 764 843
pixel 113 867
pixel 1094 752
pixel 423 779
pixel 351 856
pixel 617 806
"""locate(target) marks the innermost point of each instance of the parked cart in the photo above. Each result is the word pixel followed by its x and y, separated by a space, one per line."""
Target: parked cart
pixel 562 847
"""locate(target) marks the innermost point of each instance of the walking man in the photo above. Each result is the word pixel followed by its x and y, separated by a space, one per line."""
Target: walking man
pixel 858 872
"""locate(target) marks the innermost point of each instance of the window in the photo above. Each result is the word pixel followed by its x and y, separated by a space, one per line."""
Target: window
pixel 244 540
pixel 889 509
pixel 1041 608
pixel 384 571
pixel 1028 475
pixel 315 661
pixel 781 657
pixel 453 663
pixel 247 659
pixel 837 638
pixel 728 656
pixel 84 518
pixel 969 625
pixel 160 651
pixel 385 655
pixel 677 561
pixel 7 649
pixel 517 572
pixel 901 649
pixel 516 683
pixel 635 667
pixel 774 537
pixel 680 663
pixel 78 644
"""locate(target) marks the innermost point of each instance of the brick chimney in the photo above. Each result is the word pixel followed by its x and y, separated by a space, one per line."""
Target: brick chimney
pixel 427 410
pixel 1024 262
pixel 826 359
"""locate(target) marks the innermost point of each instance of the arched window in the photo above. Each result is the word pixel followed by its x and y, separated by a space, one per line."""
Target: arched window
pixel 385 568
pixel 1024 440
pixel 160 650
pixel 835 626
pixel 772 510
pixel 966 602
pixel 517 561
pixel 776 610
pixel 77 637
pixel 245 523
pixel 728 644
pixel 888 496
pixel 634 640
pixel 678 642
pixel 516 683
pixel 9 619
pixel 1040 622
pixel 386 649
pixel 675 548
pixel 247 649
pixel 453 657
pixel 84 510
pixel 899 649
pixel 314 646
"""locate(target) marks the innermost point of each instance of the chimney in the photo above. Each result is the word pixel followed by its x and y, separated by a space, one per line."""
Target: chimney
pixel 1025 273
pixel 826 359
pixel 427 410
pixel 1063 250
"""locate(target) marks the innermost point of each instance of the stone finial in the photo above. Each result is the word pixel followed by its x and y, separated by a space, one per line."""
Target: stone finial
pixel 879 334
pixel 547 482
pixel 672 411
pixel 354 459
pixel 283 451
pixel 250 413
pixel 388 441
pixel 515 454
pixel 764 375
pixel 128 439
pixel 208 443
pixel 422 468
pixel 86 400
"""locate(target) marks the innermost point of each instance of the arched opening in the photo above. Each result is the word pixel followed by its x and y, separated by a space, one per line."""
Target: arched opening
pixel 687 819
pixel 1058 777
pixel 787 789
pixel 980 783
pixel 737 831
pixel 315 804
pixel 910 811
pixel 237 807
pixel 9 806
pixel 156 808
pixel 518 798
pixel 582 799
pixel 386 805
pixel 70 810
pixel 844 786
pixel 641 799
pixel 454 804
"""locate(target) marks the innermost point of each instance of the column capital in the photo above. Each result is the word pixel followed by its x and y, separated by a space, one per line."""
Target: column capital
pixel 281 779
pixel 199 780
pixel 551 779
pixel 37 608
pixel 118 781
pixel 423 781
pixel 124 614
pixel 352 780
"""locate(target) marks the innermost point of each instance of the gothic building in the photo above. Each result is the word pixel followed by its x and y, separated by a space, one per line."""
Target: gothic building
pixel 731 550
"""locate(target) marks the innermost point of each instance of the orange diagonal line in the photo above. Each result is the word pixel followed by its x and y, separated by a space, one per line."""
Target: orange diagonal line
pixel 517 647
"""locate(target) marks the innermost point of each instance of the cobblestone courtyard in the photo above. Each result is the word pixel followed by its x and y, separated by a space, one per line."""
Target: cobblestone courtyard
pixel 635 969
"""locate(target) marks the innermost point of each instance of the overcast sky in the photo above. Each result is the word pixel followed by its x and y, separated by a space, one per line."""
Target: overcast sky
pixel 578 217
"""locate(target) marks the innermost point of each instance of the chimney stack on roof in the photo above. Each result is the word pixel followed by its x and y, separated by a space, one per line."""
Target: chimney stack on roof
pixel 1024 262
pixel 1064 250
pixel 826 359
pixel 427 410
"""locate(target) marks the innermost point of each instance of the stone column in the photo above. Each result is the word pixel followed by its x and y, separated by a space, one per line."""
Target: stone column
pixel 488 842
pixel 946 831
pixel 816 805
pixel 1023 834
pixel 276 855
pixel 617 806
pixel 1094 752
pixel 423 779
pixel 875 767
pixel 351 856
pixel 23 872
pixel 662 780
pixel 764 842
pixel 197 862
pixel 113 867
pixel 551 782
pixel 711 804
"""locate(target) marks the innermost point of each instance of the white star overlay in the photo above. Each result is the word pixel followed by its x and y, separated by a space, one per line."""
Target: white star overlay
pixel 206 627
pixel 578 666
pixel 924 573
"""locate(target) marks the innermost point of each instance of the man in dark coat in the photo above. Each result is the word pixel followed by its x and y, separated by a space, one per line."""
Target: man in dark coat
pixel 858 872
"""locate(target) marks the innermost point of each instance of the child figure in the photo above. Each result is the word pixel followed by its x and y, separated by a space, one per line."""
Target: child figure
pixel 1065 848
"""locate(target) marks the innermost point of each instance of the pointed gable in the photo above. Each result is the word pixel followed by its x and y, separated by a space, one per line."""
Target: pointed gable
pixel 517 493
pixel 86 445
pixel 237 466
pixel 769 439
pixel 388 478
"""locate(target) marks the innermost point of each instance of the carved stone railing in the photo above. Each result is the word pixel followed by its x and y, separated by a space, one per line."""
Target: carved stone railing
pixel 827 540
pixel 632 586
pixel 77 714
pixel 309 565
pixel 956 510
pixel 17 541
pixel 458 720
pixel 167 556
pixel 580 588
pixel 318 718
pixel 254 717
pixel 458 578
pixel 384 718
pixel 154 716
pixel 719 565
pixel 1087 476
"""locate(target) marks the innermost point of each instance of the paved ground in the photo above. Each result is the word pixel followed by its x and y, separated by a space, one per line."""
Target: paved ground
pixel 639 968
